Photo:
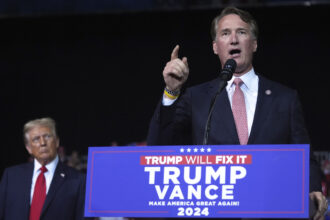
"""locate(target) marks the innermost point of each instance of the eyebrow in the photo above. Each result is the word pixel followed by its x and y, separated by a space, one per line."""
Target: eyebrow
pixel 229 29
pixel 224 30
pixel 242 29
pixel 41 135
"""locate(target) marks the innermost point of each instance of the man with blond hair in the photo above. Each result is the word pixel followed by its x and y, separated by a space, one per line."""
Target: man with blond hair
pixel 45 189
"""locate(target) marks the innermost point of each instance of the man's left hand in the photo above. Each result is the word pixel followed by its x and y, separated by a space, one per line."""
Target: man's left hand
pixel 322 204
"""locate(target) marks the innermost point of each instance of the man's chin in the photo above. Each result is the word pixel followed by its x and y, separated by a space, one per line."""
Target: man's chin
pixel 45 159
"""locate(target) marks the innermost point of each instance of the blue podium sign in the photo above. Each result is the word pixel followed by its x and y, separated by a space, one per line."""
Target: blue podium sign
pixel 254 181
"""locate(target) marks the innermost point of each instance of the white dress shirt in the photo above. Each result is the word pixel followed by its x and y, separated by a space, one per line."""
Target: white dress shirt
pixel 250 90
pixel 48 175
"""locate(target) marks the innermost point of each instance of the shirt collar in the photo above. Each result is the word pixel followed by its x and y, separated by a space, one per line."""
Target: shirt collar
pixel 50 166
pixel 250 80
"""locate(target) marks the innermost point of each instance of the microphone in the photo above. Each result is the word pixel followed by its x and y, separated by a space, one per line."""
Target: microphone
pixel 225 75
pixel 228 70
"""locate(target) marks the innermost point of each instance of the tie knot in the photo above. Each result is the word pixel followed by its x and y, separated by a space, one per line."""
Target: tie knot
pixel 43 169
pixel 238 82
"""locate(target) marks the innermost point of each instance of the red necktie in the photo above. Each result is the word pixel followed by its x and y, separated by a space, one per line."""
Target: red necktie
pixel 239 111
pixel 39 195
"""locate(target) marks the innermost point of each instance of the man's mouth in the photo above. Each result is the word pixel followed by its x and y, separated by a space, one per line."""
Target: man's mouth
pixel 43 151
pixel 235 52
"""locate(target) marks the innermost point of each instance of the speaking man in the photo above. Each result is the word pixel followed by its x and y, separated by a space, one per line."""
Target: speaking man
pixel 250 109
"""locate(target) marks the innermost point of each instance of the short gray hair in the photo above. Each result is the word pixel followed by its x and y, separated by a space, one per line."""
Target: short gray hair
pixel 244 15
pixel 45 122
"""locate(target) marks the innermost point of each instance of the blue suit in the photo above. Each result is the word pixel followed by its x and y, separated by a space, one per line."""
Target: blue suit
pixel 278 119
pixel 64 200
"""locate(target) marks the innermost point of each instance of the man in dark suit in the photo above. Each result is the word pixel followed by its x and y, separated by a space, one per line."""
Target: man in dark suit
pixel 45 189
pixel 250 109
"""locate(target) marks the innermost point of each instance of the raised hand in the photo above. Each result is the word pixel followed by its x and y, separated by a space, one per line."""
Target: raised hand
pixel 176 71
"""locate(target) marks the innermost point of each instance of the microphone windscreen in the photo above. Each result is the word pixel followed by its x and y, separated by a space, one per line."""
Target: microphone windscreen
pixel 230 65
pixel 228 69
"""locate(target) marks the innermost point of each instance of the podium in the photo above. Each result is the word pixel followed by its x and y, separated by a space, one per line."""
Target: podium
pixel 198 181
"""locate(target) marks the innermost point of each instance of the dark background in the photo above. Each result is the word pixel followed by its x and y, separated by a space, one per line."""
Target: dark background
pixel 99 74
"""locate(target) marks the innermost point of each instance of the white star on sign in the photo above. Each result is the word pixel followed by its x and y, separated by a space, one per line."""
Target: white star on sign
pixel 202 150
pixel 195 150
pixel 181 150
pixel 188 150
pixel 208 149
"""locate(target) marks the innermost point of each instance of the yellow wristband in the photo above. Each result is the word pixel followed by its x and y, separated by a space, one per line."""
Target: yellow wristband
pixel 170 96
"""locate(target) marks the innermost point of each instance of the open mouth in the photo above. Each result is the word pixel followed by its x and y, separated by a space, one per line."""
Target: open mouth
pixel 235 51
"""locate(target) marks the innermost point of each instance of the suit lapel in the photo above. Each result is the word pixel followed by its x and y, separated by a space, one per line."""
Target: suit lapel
pixel 26 185
pixel 223 118
pixel 263 107
pixel 58 179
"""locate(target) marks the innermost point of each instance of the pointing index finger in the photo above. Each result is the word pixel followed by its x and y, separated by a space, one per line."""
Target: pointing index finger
pixel 175 52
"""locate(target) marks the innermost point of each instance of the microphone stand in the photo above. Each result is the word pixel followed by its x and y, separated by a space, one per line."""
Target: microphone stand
pixel 222 84
pixel 225 75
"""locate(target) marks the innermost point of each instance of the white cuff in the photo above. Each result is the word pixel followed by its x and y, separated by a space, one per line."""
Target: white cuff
pixel 167 101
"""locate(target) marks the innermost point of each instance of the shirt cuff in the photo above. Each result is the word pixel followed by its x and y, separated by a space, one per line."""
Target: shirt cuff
pixel 167 101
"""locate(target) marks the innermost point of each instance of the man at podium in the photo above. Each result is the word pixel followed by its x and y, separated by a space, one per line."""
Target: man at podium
pixel 250 109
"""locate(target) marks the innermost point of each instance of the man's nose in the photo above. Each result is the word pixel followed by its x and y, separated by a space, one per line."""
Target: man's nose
pixel 43 141
pixel 233 39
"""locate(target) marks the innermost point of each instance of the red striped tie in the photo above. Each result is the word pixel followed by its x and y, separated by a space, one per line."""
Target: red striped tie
pixel 239 111
pixel 39 195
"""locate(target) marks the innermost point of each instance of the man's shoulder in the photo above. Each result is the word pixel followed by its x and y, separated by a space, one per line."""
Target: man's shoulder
pixel 70 171
pixel 19 167
pixel 18 172
pixel 266 84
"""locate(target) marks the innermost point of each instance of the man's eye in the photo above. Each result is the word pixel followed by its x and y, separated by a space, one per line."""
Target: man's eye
pixel 48 136
pixel 36 139
pixel 224 34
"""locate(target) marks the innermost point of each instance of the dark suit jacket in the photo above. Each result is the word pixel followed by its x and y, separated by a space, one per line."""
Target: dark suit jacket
pixel 64 200
pixel 278 119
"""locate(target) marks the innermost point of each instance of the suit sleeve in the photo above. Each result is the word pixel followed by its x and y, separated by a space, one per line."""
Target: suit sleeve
pixel 300 136
pixel 80 206
pixel 171 125
pixel 3 187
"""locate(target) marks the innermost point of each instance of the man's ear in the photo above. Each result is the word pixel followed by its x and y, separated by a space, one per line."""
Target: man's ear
pixel 255 45
pixel 28 148
pixel 57 143
pixel 215 48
